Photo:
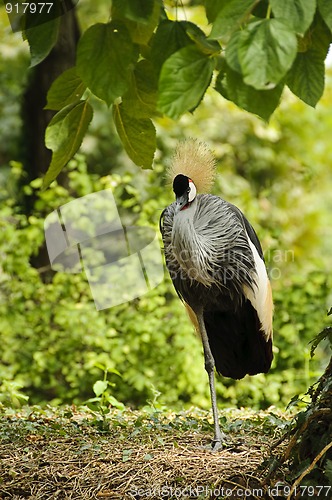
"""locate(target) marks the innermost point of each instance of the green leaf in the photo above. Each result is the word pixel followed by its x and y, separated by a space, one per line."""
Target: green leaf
pixel 137 135
pixel 323 335
pixel 170 37
pixel 261 9
pixel 297 14
pixel 230 85
pixel 266 51
pixel 320 36
pixel 64 135
pixel 115 402
pixel 114 370
pixel 135 10
pixel 99 387
pixel 41 38
pixel 306 77
pixel 324 7
pixel 328 470
pixel 140 18
pixel 183 81
pixel 66 89
pixel 231 52
pixel 105 56
pixel 126 455
pixel 231 14
pixel 141 98
pixel 212 7
pixel 204 44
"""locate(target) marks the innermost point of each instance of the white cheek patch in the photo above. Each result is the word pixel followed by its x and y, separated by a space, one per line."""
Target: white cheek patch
pixel 192 192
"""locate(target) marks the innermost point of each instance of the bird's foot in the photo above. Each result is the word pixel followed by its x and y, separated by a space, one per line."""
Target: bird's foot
pixel 218 443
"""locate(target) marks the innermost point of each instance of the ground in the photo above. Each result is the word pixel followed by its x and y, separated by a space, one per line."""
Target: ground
pixel 74 453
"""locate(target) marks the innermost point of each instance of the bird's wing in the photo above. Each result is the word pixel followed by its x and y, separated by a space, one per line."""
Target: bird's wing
pixel 261 296
pixel 253 237
pixel 236 341
pixel 249 229
pixel 161 220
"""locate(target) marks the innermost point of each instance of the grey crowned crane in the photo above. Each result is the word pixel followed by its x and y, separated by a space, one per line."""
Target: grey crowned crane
pixel 216 264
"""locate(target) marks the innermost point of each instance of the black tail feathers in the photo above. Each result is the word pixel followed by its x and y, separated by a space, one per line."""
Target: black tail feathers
pixel 237 343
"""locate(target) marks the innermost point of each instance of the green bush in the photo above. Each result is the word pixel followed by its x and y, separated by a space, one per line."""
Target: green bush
pixel 55 341
pixel 55 344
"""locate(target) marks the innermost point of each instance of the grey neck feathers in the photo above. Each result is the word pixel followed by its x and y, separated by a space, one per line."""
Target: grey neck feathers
pixel 193 250
pixel 210 244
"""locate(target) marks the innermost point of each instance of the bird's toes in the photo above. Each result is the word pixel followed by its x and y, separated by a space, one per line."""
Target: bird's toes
pixel 220 441
pixel 217 444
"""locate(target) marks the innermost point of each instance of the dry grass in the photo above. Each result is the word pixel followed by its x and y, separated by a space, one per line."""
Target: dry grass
pixel 50 456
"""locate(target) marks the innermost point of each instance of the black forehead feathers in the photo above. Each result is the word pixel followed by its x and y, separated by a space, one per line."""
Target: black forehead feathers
pixel 180 184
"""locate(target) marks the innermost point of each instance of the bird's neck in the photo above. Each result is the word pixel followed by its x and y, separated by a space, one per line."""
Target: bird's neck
pixel 190 249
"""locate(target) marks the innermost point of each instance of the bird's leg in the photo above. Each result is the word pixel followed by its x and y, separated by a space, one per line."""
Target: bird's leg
pixel 219 437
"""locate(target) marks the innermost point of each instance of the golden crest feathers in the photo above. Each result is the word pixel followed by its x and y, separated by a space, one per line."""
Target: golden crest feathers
pixel 195 160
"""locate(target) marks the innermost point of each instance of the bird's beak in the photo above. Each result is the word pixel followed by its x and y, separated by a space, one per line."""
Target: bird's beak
pixel 181 201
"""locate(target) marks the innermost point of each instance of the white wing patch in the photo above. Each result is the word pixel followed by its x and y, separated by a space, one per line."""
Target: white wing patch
pixel 261 297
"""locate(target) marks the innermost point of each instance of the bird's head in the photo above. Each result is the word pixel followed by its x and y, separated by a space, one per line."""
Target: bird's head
pixel 185 191
pixel 192 170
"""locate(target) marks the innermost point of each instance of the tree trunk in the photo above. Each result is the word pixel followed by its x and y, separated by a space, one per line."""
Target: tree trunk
pixel 36 156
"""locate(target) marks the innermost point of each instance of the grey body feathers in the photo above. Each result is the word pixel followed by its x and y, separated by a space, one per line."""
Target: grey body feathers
pixel 207 253
pixel 209 259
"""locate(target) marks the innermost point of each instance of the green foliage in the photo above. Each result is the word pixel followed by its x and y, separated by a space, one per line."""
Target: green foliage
pixel 11 394
pixel 103 402
pixel 55 342
pixel 65 90
pixel 255 48
pixel 138 135
pixel 231 86
pixel 39 353
pixel 41 35
pixel 324 8
pixel 65 134
pixel 309 450
pixel 56 345
pixel 184 79
pixel 266 51
pixel 297 14
pixel 325 334
pixel 105 55
pixel 14 62
pixel 306 77
pixel 226 17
